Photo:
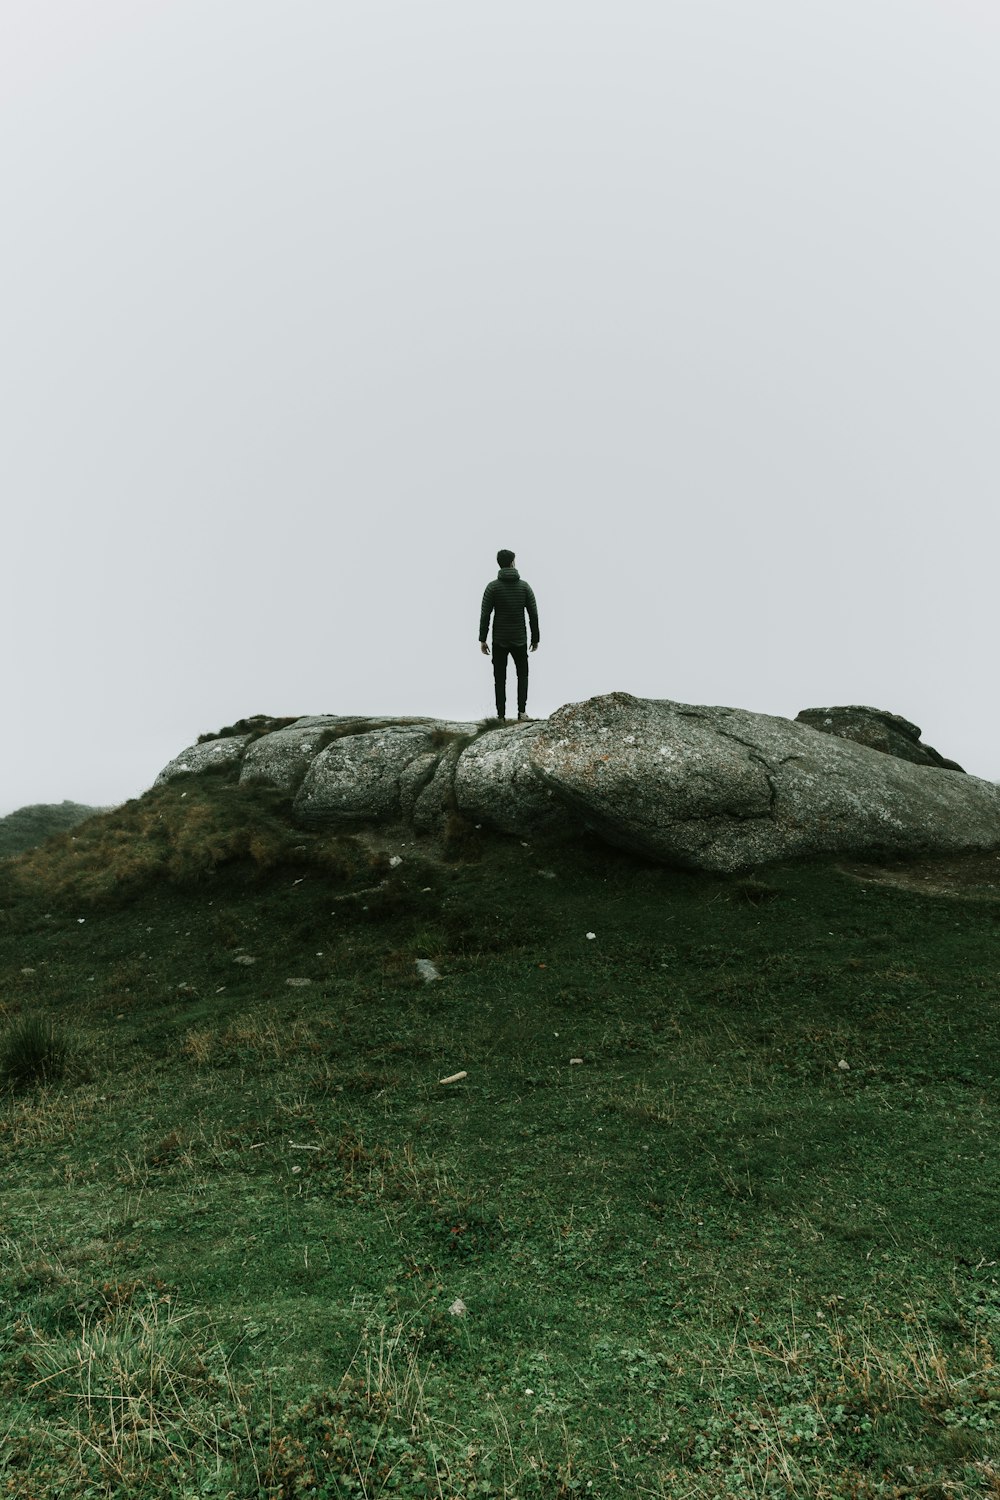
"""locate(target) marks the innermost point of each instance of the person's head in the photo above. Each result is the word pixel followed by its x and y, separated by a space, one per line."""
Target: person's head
pixel 505 558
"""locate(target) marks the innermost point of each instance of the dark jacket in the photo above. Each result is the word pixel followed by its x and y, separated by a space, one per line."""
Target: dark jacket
pixel 507 596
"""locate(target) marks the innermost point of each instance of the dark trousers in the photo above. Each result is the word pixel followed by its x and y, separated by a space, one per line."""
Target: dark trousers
pixel 520 655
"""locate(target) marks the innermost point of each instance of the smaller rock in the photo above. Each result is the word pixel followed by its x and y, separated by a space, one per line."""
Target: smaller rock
pixel 282 757
pixel 458 1308
pixel 360 777
pixel 591 936
pixel 426 970
pixel 844 1065
pixel 298 984
pixel 227 751
pixel 877 729
pixel 244 958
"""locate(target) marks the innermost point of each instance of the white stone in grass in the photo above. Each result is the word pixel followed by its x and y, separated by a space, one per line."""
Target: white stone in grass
pixel 298 984
pixel 844 1065
pixel 458 1308
pixel 396 859
pixel 426 970
pixel 244 958
pixel 591 936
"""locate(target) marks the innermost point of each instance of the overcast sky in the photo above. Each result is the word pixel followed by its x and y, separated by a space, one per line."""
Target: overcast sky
pixel 308 306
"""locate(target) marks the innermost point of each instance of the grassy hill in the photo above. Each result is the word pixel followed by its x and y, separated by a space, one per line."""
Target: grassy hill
pixel 30 826
pixel 718 1192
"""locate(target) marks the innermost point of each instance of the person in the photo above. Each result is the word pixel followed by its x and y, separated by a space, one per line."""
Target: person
pixel 506 598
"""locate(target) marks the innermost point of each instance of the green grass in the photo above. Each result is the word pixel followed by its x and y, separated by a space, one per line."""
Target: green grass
pixel 706 1260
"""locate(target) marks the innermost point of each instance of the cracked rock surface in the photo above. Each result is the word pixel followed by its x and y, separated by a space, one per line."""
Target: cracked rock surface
pixel 723 789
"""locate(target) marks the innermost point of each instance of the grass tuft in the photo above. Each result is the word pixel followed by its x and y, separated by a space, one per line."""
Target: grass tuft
pixel 256 726
pixel 755 892
pixel 460 839
pixel 34 1051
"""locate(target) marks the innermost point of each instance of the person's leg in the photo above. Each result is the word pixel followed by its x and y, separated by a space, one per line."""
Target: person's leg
pixel 520 655
pixel 500 678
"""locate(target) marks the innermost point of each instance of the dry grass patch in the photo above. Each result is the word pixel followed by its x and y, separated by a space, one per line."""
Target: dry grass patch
pixel 255 1034
pixel 181 833
pixel 134 1388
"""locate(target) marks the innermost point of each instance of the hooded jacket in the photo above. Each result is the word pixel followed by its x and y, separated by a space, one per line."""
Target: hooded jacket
pixel 507 597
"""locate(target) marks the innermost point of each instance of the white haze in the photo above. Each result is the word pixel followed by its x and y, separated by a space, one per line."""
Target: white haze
pixel 309 307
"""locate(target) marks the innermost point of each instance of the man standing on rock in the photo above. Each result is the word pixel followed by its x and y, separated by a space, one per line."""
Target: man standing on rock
pixel 507 597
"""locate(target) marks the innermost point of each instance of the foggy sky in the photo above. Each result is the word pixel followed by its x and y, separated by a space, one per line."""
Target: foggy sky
pixel 308 306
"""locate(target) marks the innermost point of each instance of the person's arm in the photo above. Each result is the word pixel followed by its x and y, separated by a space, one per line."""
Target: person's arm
pixel 532 609
pixel 484 617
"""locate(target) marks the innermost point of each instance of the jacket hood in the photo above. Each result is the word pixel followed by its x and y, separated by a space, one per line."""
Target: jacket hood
pixel 508 573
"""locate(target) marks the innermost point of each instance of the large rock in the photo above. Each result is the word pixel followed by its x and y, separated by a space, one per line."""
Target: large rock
pixel 495 783
pixel 890 733
pixel 722 789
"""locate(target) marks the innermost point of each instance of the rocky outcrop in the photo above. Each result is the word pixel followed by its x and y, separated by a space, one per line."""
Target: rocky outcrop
pixel 704 788
pixel 889 733
pixel 721 789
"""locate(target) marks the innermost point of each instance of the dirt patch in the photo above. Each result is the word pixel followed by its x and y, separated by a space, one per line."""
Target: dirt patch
pixel 973 877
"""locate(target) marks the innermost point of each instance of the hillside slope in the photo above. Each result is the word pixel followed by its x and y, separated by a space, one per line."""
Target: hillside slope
pixel 711 1211
pixel 32 825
